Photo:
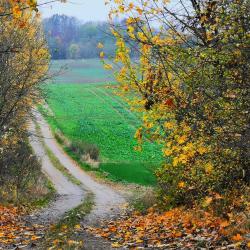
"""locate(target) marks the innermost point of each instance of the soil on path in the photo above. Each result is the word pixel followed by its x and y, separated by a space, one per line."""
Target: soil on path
pixel 108 202
pixel 69 195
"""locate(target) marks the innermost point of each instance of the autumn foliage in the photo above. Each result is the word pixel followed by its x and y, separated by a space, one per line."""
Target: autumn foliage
pixel 15 231
pixel 191 83
pixel 24 62
pixel 176 229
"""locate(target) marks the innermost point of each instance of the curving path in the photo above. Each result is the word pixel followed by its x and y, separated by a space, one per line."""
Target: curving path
pixel 108 202
pixel 69 195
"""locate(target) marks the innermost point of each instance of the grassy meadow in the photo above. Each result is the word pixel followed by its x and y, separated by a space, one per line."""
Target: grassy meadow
pixel 92 113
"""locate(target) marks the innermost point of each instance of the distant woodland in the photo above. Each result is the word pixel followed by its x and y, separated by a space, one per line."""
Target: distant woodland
pixel 68 38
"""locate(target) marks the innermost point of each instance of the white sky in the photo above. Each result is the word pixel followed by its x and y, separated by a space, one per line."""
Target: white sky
pixel 85 10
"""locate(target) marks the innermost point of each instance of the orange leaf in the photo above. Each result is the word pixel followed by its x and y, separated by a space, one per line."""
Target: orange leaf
pixel 224 224
pixel 237 237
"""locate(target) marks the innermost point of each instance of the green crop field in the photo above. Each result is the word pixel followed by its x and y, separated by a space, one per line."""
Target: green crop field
pixel 80 71
pixel 92 113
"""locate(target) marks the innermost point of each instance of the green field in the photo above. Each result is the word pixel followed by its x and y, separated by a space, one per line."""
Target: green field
pixel 93 114
pixel 80 71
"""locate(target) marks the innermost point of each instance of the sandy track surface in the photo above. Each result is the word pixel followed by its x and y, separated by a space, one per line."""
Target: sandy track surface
pixel 108 202
pixel 69 195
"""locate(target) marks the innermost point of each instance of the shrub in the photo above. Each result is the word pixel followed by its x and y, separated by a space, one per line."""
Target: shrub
pixel 20 174
pixel 83 149
pixel 143 198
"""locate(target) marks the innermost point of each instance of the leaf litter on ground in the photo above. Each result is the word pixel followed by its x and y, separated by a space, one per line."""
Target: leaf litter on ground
pixel 15 231
pixel 175 229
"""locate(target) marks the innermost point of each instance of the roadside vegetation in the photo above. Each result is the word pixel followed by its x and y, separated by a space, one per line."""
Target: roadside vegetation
pixel 21 43
pixel 24 61
pixel 22 182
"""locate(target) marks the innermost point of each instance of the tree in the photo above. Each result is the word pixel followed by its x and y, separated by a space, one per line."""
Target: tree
pixel 192 85
pixel 62 32
pixel 74 51
pixel 24 62
pixel 15 8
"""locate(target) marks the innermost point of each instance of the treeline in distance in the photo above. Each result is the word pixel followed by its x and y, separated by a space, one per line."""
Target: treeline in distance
pixel 68 38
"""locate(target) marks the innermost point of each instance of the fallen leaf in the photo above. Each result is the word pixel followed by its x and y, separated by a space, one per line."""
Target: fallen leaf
pixel 237 237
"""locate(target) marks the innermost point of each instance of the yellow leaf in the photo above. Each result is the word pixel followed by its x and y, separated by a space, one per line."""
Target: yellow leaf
pixel 77 227
pixel 102 54
pixel 108 66
pixel 169 125
pixel 131 6
pixel 116 245
pixel 181 184
pixel 202 150
pixel 130 20
pixel 209 36
pixel 209 168
pixel 16 12
pixel 183 158
pixel 100 46
pixel 131 29
pixel 167 152
pixel 142 36
pixel 32 3
pixel 121 8
pixel 139 10
pixel 207 201
pixel 181 139
pixel 175 161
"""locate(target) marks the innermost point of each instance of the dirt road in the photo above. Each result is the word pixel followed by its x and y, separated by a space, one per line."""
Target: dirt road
pixel 69 195
pixel 107 201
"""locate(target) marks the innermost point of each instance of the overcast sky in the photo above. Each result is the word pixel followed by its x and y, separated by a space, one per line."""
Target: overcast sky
pixel 86 10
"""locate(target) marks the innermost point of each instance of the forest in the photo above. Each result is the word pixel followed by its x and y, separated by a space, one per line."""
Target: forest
pixel 68 38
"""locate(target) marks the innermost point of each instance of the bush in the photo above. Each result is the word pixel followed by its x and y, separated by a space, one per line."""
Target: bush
pixel 21 178
pixel 143 198
pixel 83 150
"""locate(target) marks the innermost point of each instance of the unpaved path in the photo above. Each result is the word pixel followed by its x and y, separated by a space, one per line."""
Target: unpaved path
pixel 69 195
pixel 107 201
